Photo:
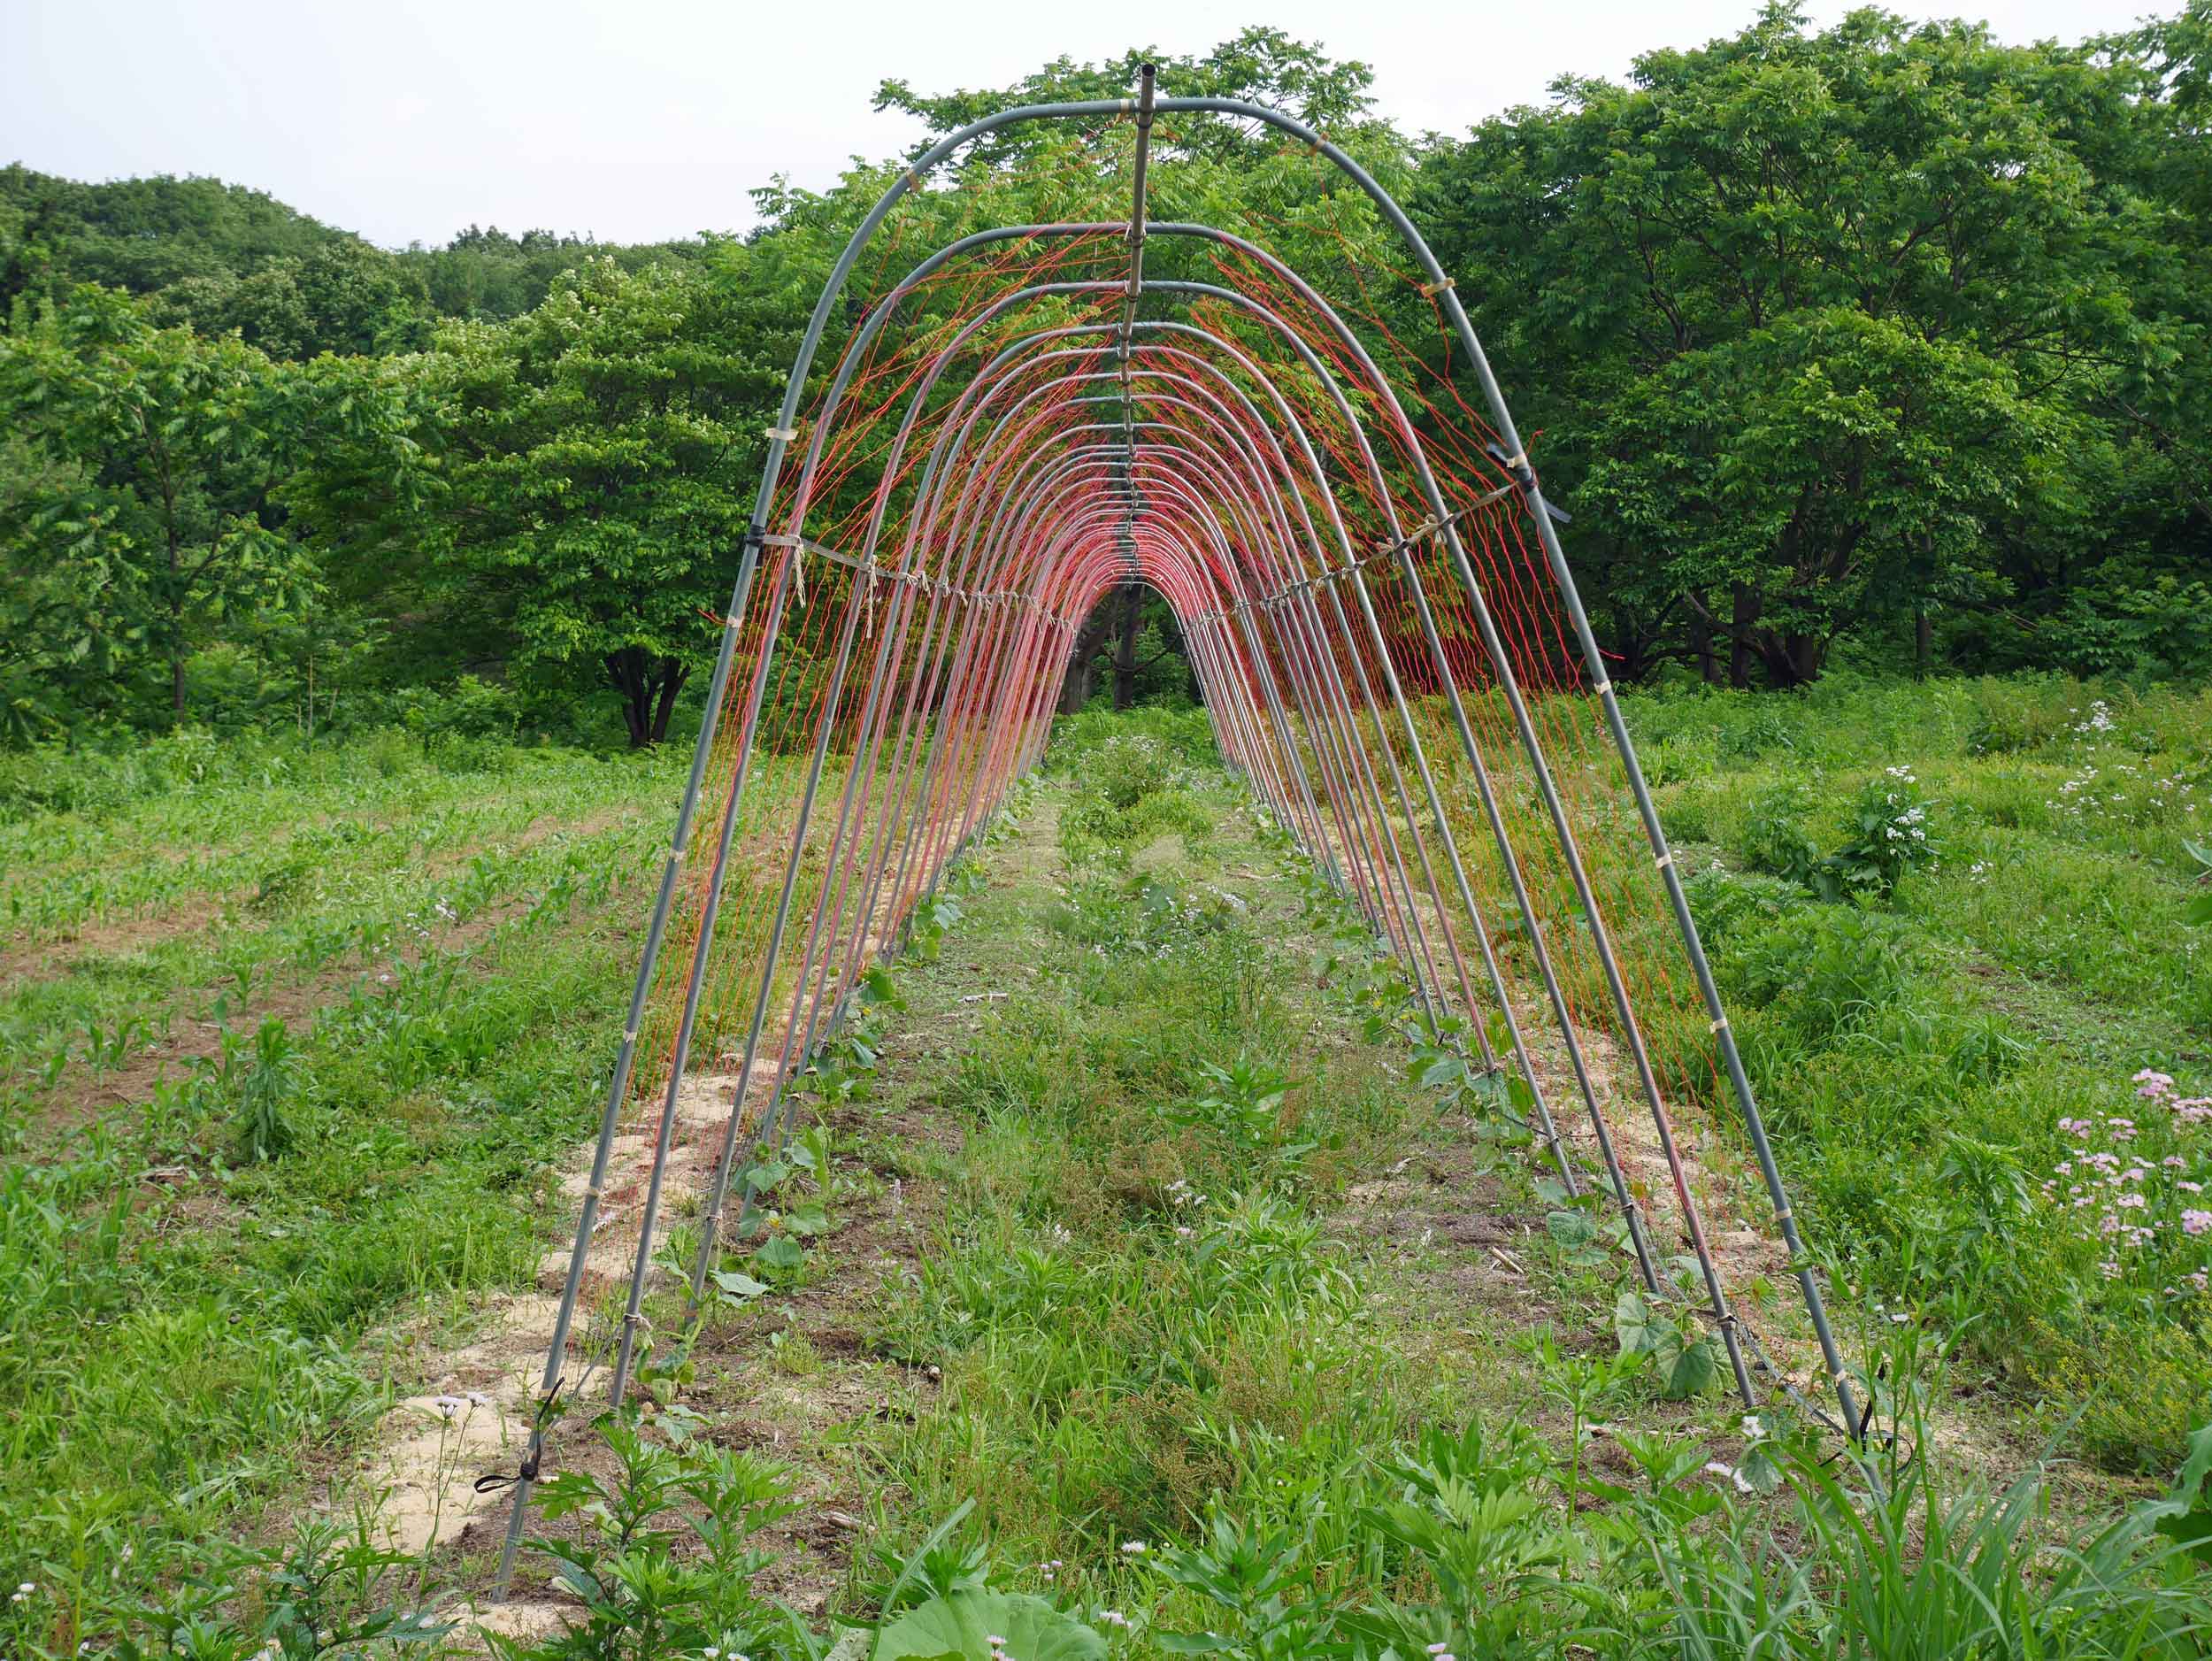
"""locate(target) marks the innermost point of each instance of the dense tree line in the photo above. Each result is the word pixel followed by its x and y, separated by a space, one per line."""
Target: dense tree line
pixel 1885 340
pixel 1886 330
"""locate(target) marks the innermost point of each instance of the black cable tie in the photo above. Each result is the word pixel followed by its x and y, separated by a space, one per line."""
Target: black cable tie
pixel 1524 476
pixel 1873 1392
pixel 491 1482
pixel 551 1401
pixel 542 1415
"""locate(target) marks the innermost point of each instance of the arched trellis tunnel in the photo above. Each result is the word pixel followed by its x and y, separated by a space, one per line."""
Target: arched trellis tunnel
pixel 1386 632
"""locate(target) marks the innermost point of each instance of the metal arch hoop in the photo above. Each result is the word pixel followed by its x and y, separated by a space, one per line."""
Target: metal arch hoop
pixel 1237 724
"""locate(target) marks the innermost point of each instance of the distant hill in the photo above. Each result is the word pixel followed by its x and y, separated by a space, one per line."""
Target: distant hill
pixel 143 235
pixel 222 256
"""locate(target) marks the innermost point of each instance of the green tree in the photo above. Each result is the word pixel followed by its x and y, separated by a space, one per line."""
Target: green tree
pixel 1809 469
pixel 142 235
pixel 490 274
pixel 1260 65
pixel 344 297
pixel 61 623
pixel 602 453
pixel 1655 264
pixel 151 509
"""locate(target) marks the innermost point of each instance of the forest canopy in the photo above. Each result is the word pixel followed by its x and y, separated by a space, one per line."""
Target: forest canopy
pixel 1884 344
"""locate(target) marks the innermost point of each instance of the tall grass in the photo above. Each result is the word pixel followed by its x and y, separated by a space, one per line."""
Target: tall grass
pixel 1922 1041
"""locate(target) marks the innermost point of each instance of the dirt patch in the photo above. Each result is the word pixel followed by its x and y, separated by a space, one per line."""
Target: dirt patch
pixel 1701 1190
pixel 119 937
pixel 82 1097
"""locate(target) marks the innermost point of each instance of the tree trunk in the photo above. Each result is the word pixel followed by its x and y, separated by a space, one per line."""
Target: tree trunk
pixel 1075 690
pixel 1125 649
pixel 1922 642
pixel 626 672
pixel 672 676
pixel 1701 646
pixel 1808 652
pixel 1791 660
pixel 1745 613
pixel 176 640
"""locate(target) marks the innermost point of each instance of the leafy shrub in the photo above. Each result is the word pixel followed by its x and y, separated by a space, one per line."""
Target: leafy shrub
pixel 2129 1419
pixel 471 711
pixel 1185 736
pixel 664 1563
pixel 290 874
pixel 53 779
pixel 2013 716
pixel 266 1096
pixel 1094 818
pixel 1726 905
pixel 1243 1102
pixel 2145 631
pixel 328 1592
pixel 1887 835
pixel 1775 839
pixel 1832 970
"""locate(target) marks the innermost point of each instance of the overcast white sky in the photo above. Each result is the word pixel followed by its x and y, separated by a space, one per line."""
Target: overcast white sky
pixel 637 120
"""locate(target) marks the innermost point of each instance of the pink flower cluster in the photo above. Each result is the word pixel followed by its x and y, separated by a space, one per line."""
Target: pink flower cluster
pixel 2154 1085
pixel 2132 1204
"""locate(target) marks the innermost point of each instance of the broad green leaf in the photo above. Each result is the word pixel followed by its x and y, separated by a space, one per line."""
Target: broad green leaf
pixel 1636 1325
pixel 1570 1229
pixel 739 1285
pixel 1759 1467
pixel 779 1252
pixel 1438 1068
pixel 1690 1370
pixel 963 1624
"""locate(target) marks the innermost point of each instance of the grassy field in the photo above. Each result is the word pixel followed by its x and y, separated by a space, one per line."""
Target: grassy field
pixel 288 1038
pixel 1153 1309
pixel 1953 1051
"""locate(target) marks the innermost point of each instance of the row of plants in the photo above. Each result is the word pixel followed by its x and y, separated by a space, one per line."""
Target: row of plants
pixel 1183 1422
pixel 190 1270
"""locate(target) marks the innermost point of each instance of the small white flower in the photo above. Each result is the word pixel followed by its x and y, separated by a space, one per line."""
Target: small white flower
pixel 1132 1547
pixel 1714 1467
